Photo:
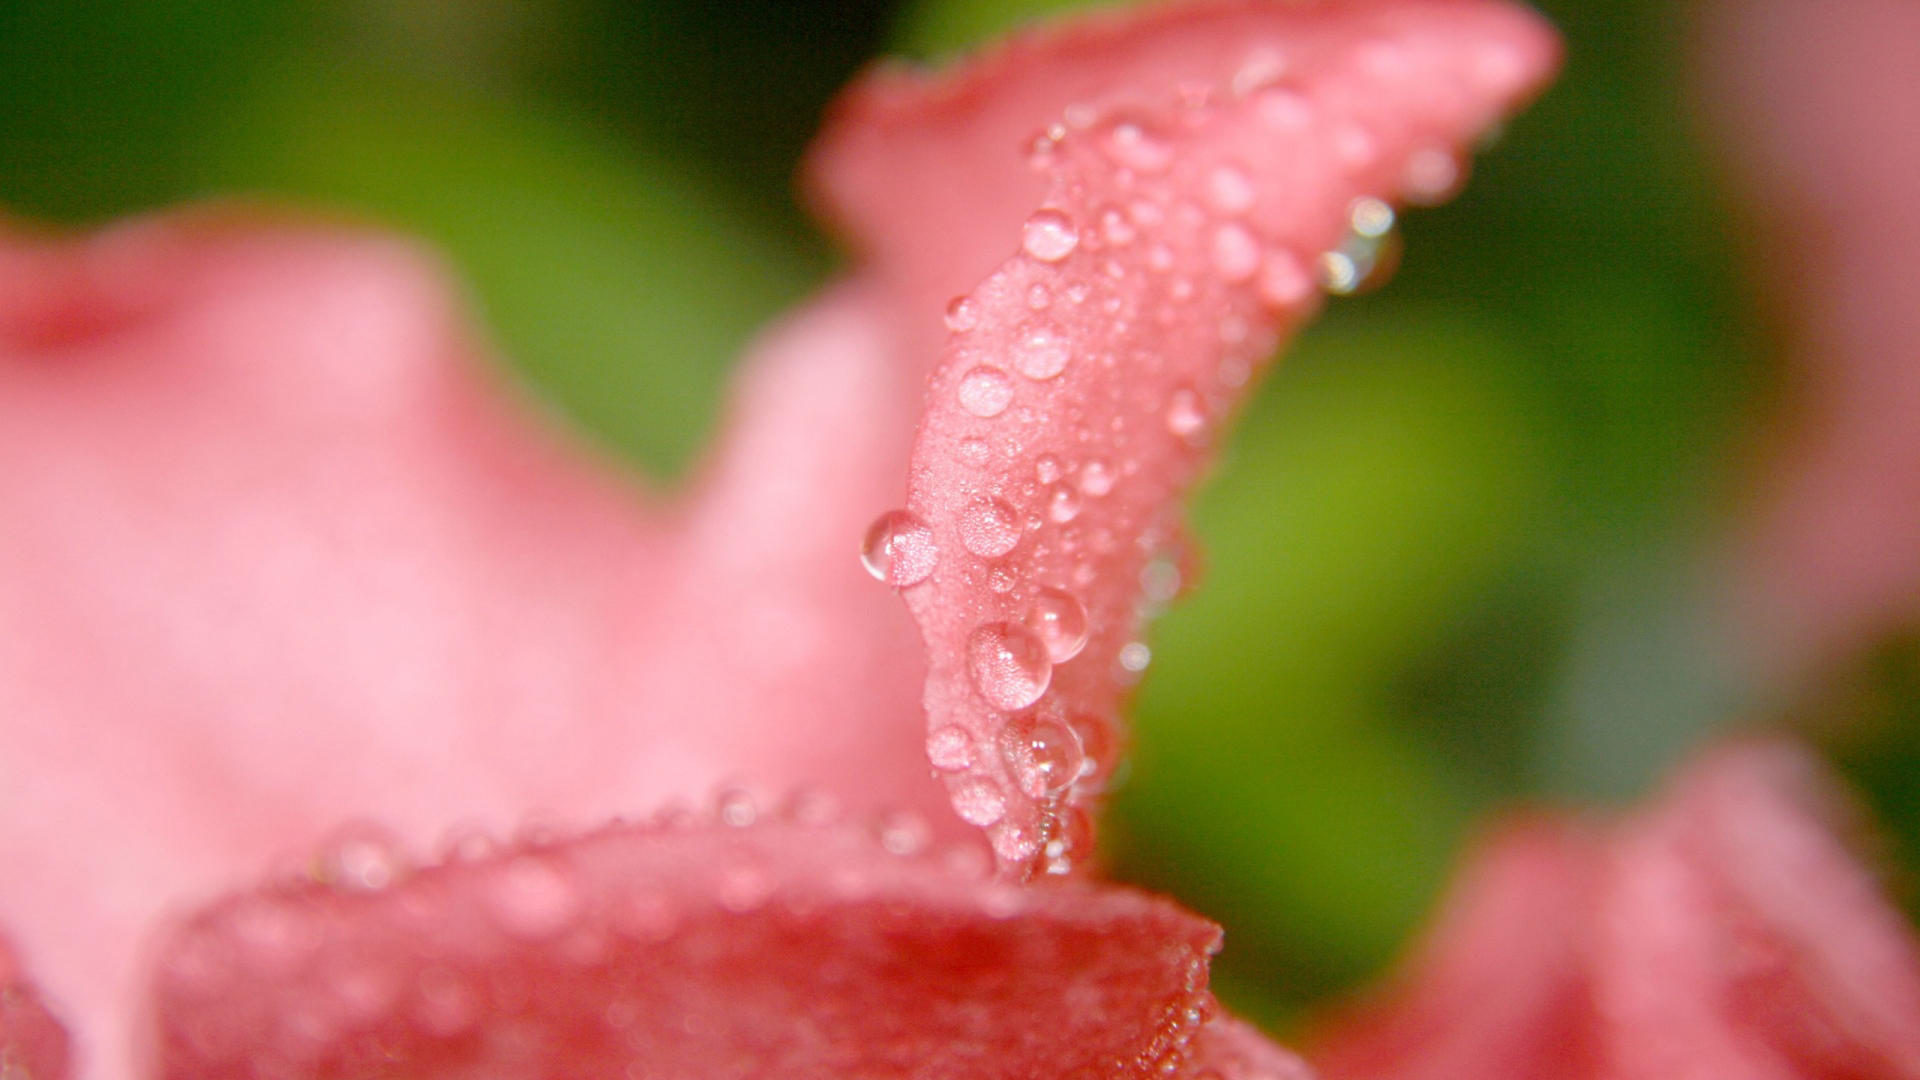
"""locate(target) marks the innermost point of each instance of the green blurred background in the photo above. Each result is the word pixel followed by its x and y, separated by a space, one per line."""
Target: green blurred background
pixel 1453 555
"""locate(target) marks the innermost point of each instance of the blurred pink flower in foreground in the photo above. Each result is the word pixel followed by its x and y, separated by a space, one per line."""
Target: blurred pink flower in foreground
pixel 283 573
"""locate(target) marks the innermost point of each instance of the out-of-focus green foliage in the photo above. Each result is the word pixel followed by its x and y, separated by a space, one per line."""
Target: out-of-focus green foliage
pixel 1453 551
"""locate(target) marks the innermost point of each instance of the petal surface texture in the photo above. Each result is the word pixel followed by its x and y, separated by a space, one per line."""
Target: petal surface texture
pixel 280 557
pixel 1724 932
pixel 1132 212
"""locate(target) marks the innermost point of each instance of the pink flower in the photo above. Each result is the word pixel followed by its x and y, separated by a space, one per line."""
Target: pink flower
pixel 286 573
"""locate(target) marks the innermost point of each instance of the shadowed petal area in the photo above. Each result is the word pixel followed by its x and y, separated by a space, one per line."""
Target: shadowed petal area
pixel 33 1044
pixel 1724 932
pixel 1136 209
pixel 280 554
pixel 703 949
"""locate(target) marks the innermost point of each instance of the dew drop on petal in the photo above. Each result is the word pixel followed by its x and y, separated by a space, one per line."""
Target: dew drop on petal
pixel 973 452
pixel 1116 228
pixel 979 801
pixel 963 314
pixel 1044 755
pixel 1134 657
pixel 899 549
pixel 904 833
pixel 1009 664
pixel 1339 273
pixel 989 528
pixel 986 392
pixel 950 748
pixel 1015 844
pixel 1047 468
pixel 1432 176
pixel 1186 417
pixel 1049 236
pixel 532 899
pixel 1041 353
pixel 1060 621
pixel 1283 281
pixel 1134 147
pixel 1230 190
pixel 1236 253
pixel 362 858
pixel 1063 503
pixel 1096 477
pixel 1370 217
pixel 736 808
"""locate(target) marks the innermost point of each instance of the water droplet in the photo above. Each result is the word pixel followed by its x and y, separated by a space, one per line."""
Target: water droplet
pixel 1039 298
pixel 1186 416
pixel 1136 148
pixel 1049 236
pixel 1134 657
pixel 1283 281
pixel 989 528
pixel 1044 755
pixel 963 314
pixel 1338 273
pixel 899 549
pixel 532 899
pixel 973 451
pixel 1370 217
pixel 1041 353
pixel 904 833
pixel 1160 258
pixel 950 748
pixel 1096 477
pixel 1432 176
pixel 1060 621
pixel 362 858
pixel 978 801
pixel 1116 228
pixel 986 392
pixel 1009 664
pixel 1046 468
pixel 1236 253
pixel 1160 582
pixel 1230 190
pixel 1070 839
pixel 736 808
pixel 1063 503
pixel 1015 844
pixel 1356 147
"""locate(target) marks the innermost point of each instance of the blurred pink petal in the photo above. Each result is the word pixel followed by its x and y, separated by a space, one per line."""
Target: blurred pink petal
pixel 1724 932
pixel 1186 169
pixel 1820 108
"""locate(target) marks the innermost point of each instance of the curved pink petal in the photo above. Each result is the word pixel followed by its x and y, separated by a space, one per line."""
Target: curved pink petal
pixel 1820 106
pixel 771 948
pixel 280 555
pixel 33 1043
pixel 1185 170
pixel 1499 986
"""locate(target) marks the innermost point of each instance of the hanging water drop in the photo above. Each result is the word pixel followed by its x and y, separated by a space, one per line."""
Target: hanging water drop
pixel 1049 236
pixel 1060 621
pixel 986 392
pixel 899 549
pixel 1010 665
pixel 989 528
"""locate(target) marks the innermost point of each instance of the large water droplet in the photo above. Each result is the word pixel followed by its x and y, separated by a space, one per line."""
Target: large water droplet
pixel 1044 755
pixel 963 314
pixel 989 528
pixel 1041 354
pixel 1236 253
pixel 1049 236
pixel 1010 665
pixel 950 748
pixel 986 392
pixel 899 549
pixel 1138 149
pixel 979 801
pixel 1060 621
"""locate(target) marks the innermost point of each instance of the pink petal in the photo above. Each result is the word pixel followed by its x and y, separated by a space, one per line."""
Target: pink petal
pixel 1820 108
pixel 1500 985
pixel 33 1044
pixel 696 949
pixel 280 556
pixel 1185 169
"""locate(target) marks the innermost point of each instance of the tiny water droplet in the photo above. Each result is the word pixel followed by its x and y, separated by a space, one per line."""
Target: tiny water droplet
pixel 973 451
pixel 986 392
pixel 1044 755
pixel 1039 297
pixel 978 801
pixel 1160 582
pixel 1236 253
pixel 1010 665
pixel 532 899
pixel 989 528
pixel 1370 217
pixel 1186 416
pixel 1283 281
pixel 1356 147
pixel 1134 657
pixel 362 858
pixel 1136 148
pixel 1116 228
pixel 899 549
pixel 1015 844
pixel 1046 468
pixel 1041 353
pixel 950 748
pixel 904 833
pixel 1060 620
pixel 1049 236
pixel 1063 503
pixel 1160 258
pixel 1096 477
pixel 1230 190
pixel 1432 176
pixel 736 808
pixel 1338 273
pixel 963 314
